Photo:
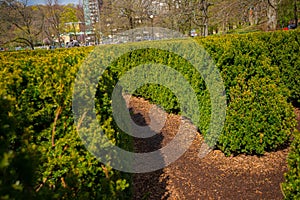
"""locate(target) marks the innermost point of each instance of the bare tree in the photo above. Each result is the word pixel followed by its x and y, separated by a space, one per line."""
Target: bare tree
pixel 136 12
pixel 26 21
pixel 185 15
pixel 53 23
pixel 180 15
pixel 4 24
pixel 204 8
pixel 169 17
pixel 226 13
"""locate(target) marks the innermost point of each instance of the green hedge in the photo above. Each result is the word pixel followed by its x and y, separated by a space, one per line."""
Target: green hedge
pixel 160 94
pixel 250 72
pixel 279 49
pixel 258 118
pixel 45 158
pixel 291 186
pixel 283 50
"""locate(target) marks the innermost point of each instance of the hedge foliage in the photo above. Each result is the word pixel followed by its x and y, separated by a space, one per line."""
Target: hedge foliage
pixel 283 50
pixel 42 155
pixel 250 68
pixel 247 52
pixel 259 115
pixel 258 118
pixel 291 186
pixel 160 94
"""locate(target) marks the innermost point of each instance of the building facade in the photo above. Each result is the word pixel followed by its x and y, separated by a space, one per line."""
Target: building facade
pixel 92 9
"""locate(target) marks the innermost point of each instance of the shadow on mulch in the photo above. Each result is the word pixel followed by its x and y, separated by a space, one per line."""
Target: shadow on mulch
pixel 148 185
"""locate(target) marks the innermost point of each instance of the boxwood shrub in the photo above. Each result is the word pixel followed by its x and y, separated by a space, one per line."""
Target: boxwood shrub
pixel 291 186
pixel 258 119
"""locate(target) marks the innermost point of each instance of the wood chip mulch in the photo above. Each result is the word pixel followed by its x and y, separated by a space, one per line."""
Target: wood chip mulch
pixel 297 112
pixel 212 177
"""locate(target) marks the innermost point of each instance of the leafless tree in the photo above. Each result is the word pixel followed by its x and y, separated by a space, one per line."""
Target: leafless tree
pixel 185 15
pixel 53 23
pixel 135 12
pixel 25 26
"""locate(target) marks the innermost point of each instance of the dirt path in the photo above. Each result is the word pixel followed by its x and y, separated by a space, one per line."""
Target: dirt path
pixel 213 177
pixel 297 111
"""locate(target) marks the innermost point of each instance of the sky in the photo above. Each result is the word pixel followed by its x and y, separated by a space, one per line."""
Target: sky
pixel 33 2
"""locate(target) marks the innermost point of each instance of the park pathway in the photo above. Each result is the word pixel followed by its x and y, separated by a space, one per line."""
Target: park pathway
pixel 212 177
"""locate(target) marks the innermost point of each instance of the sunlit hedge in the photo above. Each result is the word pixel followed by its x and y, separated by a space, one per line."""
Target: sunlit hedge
pixel 42 155
pixel 250 67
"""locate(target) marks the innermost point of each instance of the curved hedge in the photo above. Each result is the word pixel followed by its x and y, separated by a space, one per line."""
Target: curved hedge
pixel 259 118
pixel 283 50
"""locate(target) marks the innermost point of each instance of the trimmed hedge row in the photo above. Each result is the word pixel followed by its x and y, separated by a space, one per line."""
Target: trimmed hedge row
pixel 258 116
pixel 283 50
pixel 279 49
pixel 41 154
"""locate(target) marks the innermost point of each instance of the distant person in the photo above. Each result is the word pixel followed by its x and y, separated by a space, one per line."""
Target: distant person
pixel 75 43
pixel 72 43
pixel 68 45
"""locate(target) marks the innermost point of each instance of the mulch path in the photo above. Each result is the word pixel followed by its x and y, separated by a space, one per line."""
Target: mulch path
pixel 297 112
pixel 212 177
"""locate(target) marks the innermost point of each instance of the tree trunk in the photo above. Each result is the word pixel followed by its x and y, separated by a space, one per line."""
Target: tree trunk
pixel 31 46
pixel 296 13
pixel 251 17
pixel 205 6
pixel 272 14
pixel 131 22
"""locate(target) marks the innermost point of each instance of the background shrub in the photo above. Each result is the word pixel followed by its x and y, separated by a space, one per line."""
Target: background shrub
pixel 282 47
pixel 257 91
pixel 258 118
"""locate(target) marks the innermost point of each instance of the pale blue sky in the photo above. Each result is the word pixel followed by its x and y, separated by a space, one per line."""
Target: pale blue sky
pixel 32 2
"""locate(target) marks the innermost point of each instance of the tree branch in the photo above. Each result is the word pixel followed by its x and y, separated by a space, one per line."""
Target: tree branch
pixel 58 112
